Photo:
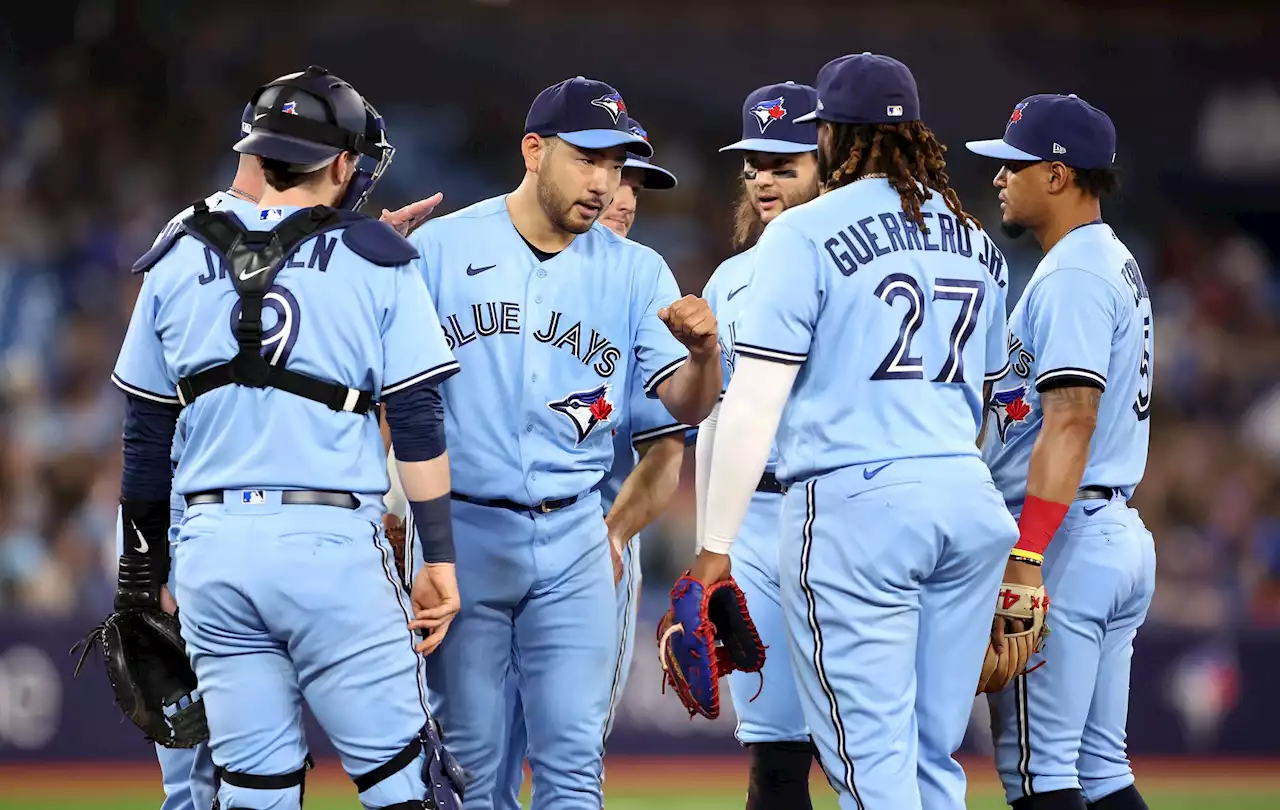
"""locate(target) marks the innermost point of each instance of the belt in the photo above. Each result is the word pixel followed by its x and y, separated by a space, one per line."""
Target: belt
pixel 506 503
pixel 1095 494
pixel 770 483
pixel 292 497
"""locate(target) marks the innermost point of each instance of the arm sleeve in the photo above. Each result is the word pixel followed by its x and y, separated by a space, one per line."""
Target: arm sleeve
pixel 658 353
pixel 148 438
pixel 413 346
pixel 702 454
pixel 750 414
pixel 141 370
pixel 1072 317
pixel 415 416
pixel 997 335
pixel 784 299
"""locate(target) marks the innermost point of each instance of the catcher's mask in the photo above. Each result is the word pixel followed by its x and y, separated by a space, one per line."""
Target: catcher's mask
pixel 308 119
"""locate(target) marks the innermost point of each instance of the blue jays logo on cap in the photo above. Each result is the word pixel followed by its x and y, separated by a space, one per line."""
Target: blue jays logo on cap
pixel 1016 115
pixel 637 130
pixel 766 112
pixel 613 104
pixel 290 107
pixel 585 409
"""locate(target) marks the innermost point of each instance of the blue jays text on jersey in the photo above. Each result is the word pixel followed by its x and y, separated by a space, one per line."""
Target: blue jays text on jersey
pixel 882 315
pixel 330 313
pixel 1084 319
pixel 548 347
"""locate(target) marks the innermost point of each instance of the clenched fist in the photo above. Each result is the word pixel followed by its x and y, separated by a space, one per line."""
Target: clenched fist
pixel 691 321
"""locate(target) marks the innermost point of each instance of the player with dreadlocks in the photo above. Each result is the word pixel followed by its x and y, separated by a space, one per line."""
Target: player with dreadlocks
pixel 875 318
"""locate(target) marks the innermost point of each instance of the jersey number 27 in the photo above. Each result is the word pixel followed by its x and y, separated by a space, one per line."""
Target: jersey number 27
pixel 899 364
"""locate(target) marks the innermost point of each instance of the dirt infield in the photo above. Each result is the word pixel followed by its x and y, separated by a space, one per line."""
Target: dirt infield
pixel 697 774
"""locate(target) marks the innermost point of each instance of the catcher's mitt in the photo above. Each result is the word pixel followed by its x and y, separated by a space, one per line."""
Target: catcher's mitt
pixel 1028 605
pixel 706 635
pixel 148 669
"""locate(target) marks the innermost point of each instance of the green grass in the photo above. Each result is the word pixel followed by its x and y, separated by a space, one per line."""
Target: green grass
pixel 1182 799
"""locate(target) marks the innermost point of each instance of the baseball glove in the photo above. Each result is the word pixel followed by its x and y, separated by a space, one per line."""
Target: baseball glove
pixel 1027 606
pixel 148 669
pixel 707 634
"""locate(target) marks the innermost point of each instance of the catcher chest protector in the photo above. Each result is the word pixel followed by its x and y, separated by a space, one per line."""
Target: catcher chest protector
pixel 253 259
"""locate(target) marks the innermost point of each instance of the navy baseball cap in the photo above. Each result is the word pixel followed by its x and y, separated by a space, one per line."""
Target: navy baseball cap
pixel 1065 129
pixel 586 113
pixel 771 120
pixel 865 88
pixel 655 177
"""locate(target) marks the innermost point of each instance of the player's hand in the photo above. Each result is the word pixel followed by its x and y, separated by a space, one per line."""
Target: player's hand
pixel 710 567
pixel 694 324
pixel 435 603
pixel 394 528
pixel 167 603
pixel 406 219
pixel 1017 573
pixel 615 555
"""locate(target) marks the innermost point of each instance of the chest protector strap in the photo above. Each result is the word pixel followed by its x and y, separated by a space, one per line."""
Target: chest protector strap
pixel 253 259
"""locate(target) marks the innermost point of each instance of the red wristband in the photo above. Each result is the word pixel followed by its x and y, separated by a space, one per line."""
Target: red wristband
pixel 1039 522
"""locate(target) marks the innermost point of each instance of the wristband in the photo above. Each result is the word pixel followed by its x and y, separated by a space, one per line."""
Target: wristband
pixel 434 526
pixel 1028 557
pixel 1037 525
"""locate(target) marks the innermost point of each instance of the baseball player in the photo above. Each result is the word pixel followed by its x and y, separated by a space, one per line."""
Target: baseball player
pixel 551 314
pixel 284 580
pixel 779 172
pixel 648 449
pixel 874 316
pixel 1067 448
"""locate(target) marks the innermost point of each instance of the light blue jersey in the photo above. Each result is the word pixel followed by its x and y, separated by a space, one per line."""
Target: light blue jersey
pixel 726 294
pixel 645 419
pixel 547 346
pixel 895 329
pixel 330 314
pixel 1084 319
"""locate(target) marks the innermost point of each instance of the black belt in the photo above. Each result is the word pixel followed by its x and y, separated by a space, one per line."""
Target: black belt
pixel 770 483
pixel 506 503
pixel 1095 494
pixel 291 497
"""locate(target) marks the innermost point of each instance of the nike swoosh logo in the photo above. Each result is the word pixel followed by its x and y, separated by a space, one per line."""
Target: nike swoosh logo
pixel 869 474
pixel 475 271
pixel 259 115
pixel 245 276
pixel 735 292
pixel 1094 510
pixel 143 548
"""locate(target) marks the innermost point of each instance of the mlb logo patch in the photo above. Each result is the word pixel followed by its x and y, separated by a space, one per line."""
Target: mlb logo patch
pixel 270 214
pixel 894 111
pixel 252 497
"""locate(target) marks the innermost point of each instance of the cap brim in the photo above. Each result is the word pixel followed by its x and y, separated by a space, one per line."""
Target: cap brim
pixel 999 150
pixel 656 178
pixel 769 145
pixel 806 118
pixel 284 148
pixel 607 139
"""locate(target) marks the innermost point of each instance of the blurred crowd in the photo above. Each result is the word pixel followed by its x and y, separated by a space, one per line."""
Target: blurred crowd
pixel 80 200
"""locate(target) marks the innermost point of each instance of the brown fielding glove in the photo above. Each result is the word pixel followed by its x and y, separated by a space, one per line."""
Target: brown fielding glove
pixel 1021 607
pixel 395 530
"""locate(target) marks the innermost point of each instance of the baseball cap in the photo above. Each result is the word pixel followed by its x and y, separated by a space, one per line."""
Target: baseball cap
pixel 865 88
pixel 655 177
pixel 771 120
pixel 586 113
pixel 1066 129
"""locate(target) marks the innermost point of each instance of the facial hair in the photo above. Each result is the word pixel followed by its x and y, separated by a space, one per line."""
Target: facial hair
pixel 1013 230
pixel 558 207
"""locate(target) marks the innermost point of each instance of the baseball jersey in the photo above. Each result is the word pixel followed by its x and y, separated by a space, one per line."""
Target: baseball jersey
pixel 725 294
pixel 547 347
pixel 330 314
pixel 643 420
pixel 1083 319
pixel 895 329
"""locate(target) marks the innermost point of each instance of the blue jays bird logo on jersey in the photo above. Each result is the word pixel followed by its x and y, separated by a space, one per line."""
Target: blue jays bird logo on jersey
pixel 585 409
pixel 612 104
pixel 1010 407
pixel 766 112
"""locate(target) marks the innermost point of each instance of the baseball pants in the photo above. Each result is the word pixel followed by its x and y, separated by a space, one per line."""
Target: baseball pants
pixel 1062 724
pixel 888 588
pixel 537 605
pixel 281 604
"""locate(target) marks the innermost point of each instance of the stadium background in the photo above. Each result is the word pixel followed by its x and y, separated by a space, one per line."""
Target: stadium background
pixel 114 115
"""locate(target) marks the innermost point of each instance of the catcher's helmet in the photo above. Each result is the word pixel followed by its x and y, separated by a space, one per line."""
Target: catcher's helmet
pixel 307 119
